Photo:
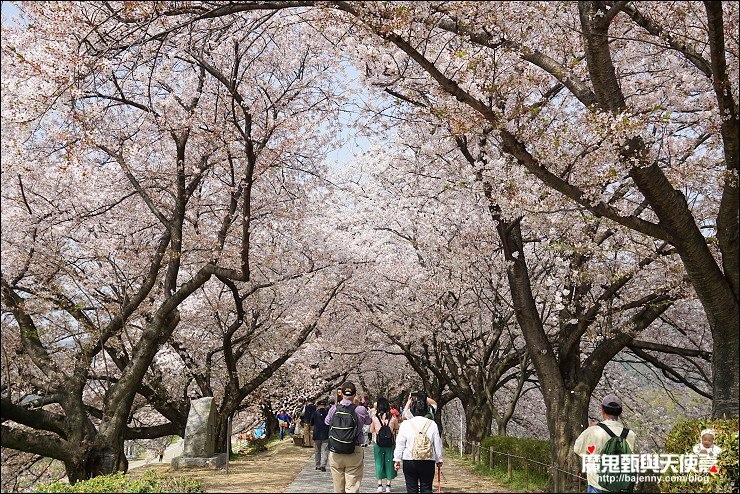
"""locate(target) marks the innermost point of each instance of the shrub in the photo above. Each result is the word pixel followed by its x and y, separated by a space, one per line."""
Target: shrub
pixel 151 481
pixel 682 439
pixel 533 449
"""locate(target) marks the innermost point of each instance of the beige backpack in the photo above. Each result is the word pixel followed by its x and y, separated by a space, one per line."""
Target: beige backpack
pixel 422 449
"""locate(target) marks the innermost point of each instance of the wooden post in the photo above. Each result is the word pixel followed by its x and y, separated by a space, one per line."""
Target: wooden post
pixel 526 470
pixel 510 469
pixel 490 458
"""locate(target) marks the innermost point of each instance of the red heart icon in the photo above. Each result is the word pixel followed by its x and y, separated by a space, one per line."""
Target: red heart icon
pixel 591 449
pixel 713 469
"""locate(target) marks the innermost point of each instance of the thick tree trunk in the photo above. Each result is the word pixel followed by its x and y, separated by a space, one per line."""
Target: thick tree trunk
pixel 566 419
pixel 75 471
pixel 725 371
pixel 104 460
pixel 478 421
pixel 271 423
pixel 221 432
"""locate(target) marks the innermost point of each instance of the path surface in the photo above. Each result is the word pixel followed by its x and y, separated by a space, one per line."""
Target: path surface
pixel 455 478
pixel 288 468
pixel 170 452
pixel 312 480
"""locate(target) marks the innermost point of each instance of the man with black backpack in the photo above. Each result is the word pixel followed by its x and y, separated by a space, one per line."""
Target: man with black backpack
pixel 609 439
pixel 345 421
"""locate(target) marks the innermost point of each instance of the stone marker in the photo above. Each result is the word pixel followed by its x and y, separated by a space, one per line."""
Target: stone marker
pixel 200 437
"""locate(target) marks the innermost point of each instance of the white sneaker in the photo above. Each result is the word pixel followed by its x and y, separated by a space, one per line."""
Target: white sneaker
pixel 380 488
pixel 387 488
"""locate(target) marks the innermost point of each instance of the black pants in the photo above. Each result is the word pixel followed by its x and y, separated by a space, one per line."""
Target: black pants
pixel 419 475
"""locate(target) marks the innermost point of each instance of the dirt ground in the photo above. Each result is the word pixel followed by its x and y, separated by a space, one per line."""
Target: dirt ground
pixel 271 471
pixel 274 470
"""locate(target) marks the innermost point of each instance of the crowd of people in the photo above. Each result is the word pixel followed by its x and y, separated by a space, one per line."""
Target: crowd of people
pixel 339 429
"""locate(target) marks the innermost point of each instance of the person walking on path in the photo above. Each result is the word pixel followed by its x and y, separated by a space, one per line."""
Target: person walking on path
pixel 593 439
pixel 345 440
pixel 384 428
pixel 308 411
pixel 284 422
pixel 419 447
pixel 422 396
pixel 320 435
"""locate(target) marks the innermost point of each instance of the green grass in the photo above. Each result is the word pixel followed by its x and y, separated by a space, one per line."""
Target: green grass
pixel 518 481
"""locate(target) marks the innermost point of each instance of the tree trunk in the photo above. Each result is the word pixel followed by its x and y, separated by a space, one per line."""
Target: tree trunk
pixel 725 372
pixel 478 421
pixel 221 431
pixel 271 423
pixel 75 471
pixel 566 419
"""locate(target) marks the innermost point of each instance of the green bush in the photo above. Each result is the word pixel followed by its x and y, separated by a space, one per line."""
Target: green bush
pixel 527 473
pixel 682 439
pixel 533 449
pixel 118 482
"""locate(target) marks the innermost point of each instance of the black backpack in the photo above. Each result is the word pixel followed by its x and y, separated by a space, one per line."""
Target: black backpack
pixel 342 433
pixel 384 437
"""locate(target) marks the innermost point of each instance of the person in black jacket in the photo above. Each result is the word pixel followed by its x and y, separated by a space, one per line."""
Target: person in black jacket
pixel 307 426
pixel 320 435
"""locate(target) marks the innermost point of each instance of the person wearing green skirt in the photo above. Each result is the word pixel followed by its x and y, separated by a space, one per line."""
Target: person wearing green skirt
pixel 384 428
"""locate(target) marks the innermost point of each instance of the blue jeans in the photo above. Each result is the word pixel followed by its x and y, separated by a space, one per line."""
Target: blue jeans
pixel 594 490
pixel 282 432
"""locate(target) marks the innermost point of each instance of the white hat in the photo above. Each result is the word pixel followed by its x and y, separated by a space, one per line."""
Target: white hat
pixel 707 432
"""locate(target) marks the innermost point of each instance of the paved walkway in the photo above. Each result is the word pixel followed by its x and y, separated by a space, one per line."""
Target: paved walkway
pixel 171 451
pixel 312 480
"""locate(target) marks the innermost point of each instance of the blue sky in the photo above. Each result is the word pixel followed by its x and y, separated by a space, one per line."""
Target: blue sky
pixel 9 12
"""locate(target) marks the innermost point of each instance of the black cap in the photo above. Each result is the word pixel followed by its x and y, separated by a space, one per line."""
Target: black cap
pixel 348 389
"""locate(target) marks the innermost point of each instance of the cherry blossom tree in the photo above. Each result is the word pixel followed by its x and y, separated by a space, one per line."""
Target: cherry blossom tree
pixel 132 175
pixel 595 295
pixel 590 107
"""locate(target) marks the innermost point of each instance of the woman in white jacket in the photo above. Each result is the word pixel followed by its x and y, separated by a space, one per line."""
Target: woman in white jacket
pixel 419 473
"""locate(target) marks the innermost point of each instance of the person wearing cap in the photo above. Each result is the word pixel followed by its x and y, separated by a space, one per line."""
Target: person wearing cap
pixel 320 435
pixel 346 469
pixel 706 444
pixel 593 439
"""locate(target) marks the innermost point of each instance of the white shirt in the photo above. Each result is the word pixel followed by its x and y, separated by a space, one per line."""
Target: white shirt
pixel 593 439
pixel 406 434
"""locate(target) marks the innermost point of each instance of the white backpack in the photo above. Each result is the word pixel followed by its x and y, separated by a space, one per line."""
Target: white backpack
pixel 422 449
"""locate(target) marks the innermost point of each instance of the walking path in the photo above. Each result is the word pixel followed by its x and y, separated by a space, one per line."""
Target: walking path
pixel 170 452
pixel 288 468
pixel 312 480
